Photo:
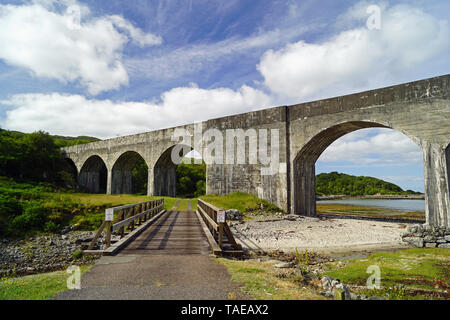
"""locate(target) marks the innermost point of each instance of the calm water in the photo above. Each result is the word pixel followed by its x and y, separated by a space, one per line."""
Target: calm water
pixel 407 205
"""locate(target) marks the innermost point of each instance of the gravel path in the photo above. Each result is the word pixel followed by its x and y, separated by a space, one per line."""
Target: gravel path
pixel 324 235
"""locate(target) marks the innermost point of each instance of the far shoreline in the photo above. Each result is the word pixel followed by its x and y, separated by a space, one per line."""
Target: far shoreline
pixel 375 196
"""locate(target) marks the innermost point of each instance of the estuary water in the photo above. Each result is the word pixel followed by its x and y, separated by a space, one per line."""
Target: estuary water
pixel 404 205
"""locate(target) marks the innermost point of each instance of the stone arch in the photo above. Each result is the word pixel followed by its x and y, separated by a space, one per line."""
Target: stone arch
pixel 121 176
pixel 304 176
pixel 165 172
pixel 93 175
pixel 69 167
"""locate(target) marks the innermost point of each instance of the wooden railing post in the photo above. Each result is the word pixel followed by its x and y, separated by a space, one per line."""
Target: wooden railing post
pixel 108 234
pixel 221 235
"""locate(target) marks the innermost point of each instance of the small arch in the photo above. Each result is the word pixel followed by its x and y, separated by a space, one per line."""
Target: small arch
pixel 122 180
pixel 304 184
pixel 93 175
pixel 69 174
pixel 165 172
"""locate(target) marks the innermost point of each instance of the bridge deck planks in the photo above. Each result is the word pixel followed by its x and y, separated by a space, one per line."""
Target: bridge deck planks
pixel 175 233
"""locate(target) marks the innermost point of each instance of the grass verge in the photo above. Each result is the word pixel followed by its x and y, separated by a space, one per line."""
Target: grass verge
pixel 243 202
pixel 261 281
pixel 35 287
pixel 405 274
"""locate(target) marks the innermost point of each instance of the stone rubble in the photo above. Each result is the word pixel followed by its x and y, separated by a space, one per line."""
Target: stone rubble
pixel 45 253
pixel 233 215
pixel 427 236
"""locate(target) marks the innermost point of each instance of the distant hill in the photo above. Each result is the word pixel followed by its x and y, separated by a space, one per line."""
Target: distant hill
pixel 60 141
pixel 335 183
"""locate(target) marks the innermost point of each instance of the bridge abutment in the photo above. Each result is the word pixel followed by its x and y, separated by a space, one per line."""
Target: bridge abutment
pixel 436 165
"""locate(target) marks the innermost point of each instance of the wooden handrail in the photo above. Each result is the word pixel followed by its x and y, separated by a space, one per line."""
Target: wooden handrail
pixel 208 213
pixel 127 216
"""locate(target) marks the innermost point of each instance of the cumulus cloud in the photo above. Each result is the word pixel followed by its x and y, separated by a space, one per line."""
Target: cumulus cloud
pixel 62 41
pixel 356 58
pixel 374 147
pixel 76 115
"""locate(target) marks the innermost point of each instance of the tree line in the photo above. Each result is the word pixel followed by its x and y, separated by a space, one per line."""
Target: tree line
pixel 335 183
pixel 36 157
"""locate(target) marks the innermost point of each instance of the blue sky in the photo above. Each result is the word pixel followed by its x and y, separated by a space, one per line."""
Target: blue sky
pixel 110 68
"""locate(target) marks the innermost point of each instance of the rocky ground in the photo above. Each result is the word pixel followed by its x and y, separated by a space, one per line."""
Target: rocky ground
pixel 325 235
pixel 44 253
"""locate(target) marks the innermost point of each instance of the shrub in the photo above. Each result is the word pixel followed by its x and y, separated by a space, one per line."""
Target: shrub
pixel 77 254
pixel 32 217
pixel 50 226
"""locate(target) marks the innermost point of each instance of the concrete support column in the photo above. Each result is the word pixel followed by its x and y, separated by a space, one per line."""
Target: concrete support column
pixel 304 187
pixel 109 182
pixel 437 202
pixel 150 183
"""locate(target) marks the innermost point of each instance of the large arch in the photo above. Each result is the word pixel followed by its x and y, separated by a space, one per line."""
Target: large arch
pixel 304 183
pixel 121 177
pixel 93 175
pixel 165 172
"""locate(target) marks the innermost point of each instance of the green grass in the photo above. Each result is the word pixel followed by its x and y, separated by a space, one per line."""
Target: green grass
pixel 35 287
pixel 241 201
pixel 422 272
pixel 261 281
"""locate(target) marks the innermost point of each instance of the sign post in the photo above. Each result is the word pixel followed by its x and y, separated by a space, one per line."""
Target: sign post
pixel 109 217
pixel 221 220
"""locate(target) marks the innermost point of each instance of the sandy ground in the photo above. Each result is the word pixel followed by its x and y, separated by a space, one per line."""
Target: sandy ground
pixel 324 235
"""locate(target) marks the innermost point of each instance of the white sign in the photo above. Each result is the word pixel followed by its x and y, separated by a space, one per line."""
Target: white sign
pixel 109 214
pixel 221 216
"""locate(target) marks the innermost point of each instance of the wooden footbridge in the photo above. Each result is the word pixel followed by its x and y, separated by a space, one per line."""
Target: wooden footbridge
pixel 147 228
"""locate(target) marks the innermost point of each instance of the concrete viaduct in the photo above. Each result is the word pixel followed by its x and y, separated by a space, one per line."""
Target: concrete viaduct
pixel 420 110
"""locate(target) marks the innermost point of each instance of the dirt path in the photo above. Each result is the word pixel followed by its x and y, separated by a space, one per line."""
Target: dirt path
pixel 168 261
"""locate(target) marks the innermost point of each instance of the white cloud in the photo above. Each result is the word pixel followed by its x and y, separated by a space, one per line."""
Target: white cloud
pixel 374 147
pixel 51 43
pixel 75 115
pixel 358 58
pixel 192 58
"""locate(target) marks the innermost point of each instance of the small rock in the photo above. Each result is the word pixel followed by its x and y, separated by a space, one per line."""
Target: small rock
pixel 430 245
pixel 284 265
pixel 326 282
pixel 444 245
pixel 335 282
pixel 429 239
pixel 416 241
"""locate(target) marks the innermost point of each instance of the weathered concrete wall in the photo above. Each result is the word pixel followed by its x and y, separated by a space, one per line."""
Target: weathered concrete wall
pixel 420 110
pixel 229 178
